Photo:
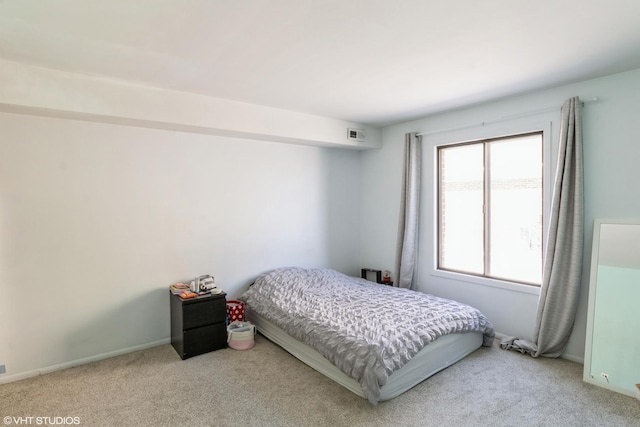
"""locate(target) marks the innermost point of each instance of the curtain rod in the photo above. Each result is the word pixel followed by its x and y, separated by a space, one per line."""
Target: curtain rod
pixel 501 119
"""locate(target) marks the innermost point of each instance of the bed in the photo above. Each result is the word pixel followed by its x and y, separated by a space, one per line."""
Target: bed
pixel 375 340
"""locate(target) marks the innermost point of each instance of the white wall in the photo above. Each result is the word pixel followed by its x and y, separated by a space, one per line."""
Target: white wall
pixel 96 220
pixel 611 130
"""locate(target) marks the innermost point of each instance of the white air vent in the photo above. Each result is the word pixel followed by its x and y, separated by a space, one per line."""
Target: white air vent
pixel 355 134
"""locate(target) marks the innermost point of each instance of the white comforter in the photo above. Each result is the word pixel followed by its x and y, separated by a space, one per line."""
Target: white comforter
pixel 367 330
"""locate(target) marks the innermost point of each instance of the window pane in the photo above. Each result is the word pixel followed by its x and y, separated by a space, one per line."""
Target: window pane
pixel 461 216
pixel 515 220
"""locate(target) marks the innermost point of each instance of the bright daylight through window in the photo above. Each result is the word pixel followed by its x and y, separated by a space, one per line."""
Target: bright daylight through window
pixel 490 205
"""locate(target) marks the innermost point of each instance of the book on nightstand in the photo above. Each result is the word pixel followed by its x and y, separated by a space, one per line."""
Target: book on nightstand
pixel 178 288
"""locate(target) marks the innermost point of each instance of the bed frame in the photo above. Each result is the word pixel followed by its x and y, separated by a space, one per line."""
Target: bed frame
pixel 441 353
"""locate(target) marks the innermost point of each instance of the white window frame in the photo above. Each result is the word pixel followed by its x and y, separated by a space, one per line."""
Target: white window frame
pixel 515 127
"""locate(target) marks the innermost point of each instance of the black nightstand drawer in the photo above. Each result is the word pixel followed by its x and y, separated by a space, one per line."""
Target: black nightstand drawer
pixel 204 339
pixel 203 312
pixel 198 325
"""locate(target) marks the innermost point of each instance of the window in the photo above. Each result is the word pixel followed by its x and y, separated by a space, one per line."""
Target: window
pixel 490 208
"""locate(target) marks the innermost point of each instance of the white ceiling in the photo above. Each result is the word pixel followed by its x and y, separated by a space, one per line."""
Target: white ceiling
pixel 370 61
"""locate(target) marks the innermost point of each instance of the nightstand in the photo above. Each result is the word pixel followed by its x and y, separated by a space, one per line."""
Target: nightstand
pixel 365 275
pixel 198 325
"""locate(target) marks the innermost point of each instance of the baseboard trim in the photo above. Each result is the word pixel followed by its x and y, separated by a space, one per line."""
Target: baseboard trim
pixel 78 362
pixel 572 358
pixel 500 336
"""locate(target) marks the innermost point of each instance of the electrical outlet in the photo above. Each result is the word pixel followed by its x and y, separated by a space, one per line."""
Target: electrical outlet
pixel 3 370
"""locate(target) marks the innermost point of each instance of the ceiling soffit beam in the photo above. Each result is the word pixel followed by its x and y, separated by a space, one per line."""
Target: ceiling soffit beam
pixel 26 89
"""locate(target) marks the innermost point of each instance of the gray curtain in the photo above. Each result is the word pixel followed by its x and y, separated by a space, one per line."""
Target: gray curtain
pixel 563 258
pixel 407 247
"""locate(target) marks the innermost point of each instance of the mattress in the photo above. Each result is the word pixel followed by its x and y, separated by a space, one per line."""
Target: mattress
pixel 367 331
pixel 438 355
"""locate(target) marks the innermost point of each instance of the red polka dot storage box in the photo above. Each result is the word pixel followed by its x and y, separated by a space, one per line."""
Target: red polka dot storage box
pixel 235 311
